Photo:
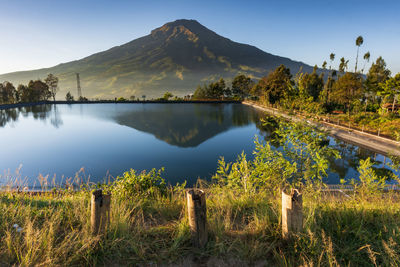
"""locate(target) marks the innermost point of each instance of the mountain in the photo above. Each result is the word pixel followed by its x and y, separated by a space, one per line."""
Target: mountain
pixel 175 57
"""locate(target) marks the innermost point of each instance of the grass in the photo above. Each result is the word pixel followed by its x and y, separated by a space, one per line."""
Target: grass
pixel 243 229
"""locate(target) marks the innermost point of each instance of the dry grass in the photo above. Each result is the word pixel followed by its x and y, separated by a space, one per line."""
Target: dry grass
pixel 244 229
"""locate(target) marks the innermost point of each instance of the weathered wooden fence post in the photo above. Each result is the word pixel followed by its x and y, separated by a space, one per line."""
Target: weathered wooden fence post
pixel 197 212
pixel 379 131
pixel 292 212
pixel 100 211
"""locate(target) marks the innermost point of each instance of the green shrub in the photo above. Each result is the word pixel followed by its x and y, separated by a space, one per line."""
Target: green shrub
pixel 145 184
pixel 369 182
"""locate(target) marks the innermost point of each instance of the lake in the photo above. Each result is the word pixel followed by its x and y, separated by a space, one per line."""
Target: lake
pixel 101 141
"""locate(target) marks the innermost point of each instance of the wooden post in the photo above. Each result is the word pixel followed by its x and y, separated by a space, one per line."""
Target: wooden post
pixel 100 211
pixel 197 213
pixel 292 213
pixel 379 131
pixel 362 130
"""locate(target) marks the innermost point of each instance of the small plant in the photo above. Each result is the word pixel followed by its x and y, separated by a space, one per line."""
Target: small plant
pixel 369 182
pixel 132 184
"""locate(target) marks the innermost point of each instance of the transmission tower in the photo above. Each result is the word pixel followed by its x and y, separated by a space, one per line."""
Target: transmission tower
pixel 78 83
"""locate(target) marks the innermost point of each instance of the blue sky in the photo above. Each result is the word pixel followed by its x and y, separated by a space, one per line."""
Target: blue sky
pixel 44 33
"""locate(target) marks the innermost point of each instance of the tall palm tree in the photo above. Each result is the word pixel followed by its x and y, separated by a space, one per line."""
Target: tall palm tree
pixel 332 58
pixel 359 42
pixel 367 56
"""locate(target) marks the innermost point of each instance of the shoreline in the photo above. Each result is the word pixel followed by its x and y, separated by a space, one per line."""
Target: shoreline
pixel 371 142
pixel 30 104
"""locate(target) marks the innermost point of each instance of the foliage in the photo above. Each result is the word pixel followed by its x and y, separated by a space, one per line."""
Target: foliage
pixel 82 98
pixel 343 64
pixel 8 94
pixel 377 74
pixel 308 149
pixel 303 160
pixel 268 169
pixel 391 89
pixel 241 85
pixel 69 97
pixel 310 84
pixel 145 184
pixel 52 83
pixel 359 42
pixel 35 91
pixel 121 99
pixel 167 96
pixel 325 95
pixel 214 90
pixel 369 183
pixel 346 89
pixel 274 85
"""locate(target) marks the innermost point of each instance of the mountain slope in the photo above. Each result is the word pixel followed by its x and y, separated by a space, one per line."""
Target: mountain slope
pixel 175 57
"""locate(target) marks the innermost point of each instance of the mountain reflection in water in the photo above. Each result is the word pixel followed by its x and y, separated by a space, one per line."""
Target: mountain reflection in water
pixel 188 125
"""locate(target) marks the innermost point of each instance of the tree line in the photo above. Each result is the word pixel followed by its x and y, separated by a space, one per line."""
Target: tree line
pixel 34 91
pixel 341 90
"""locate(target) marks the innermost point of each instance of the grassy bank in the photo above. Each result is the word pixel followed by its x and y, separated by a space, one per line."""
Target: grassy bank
pixel 244 229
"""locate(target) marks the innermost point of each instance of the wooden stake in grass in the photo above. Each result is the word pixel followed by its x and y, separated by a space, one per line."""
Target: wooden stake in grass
pixel 100 211
pixel 197 213
pixel 292 212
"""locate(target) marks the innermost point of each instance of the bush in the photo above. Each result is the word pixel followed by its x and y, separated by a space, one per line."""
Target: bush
pixel 145 184
pixel 369 182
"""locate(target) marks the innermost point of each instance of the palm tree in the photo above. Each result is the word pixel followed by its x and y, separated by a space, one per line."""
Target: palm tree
pixel 343 64
pixel 367 56
pixel 359 42
pixel 332 58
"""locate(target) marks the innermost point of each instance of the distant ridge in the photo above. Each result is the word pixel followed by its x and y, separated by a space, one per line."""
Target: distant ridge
pixel 175 57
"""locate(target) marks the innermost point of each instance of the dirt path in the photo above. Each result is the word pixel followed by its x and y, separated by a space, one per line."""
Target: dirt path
pixel 374 143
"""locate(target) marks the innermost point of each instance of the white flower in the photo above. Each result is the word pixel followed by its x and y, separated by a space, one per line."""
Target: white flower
pixel 19 229
pixel 15 225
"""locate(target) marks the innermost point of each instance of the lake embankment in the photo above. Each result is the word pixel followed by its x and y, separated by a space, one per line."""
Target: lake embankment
pixel 372 142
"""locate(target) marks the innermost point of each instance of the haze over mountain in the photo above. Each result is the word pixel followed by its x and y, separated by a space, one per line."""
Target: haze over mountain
pixel 175 57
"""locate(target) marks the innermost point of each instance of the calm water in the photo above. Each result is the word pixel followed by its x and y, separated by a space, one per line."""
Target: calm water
pixel 105 140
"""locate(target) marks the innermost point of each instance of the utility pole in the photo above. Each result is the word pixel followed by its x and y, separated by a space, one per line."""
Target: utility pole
pixel 78 83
